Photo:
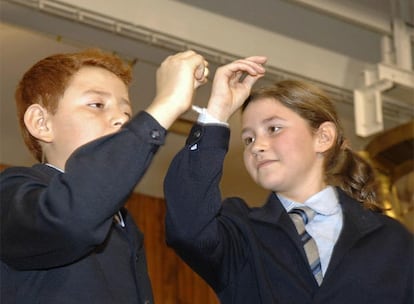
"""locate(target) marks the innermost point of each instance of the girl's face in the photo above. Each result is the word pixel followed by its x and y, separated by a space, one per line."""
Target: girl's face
pixel 281 151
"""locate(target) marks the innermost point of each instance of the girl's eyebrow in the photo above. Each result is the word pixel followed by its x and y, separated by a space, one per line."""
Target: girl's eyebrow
pixel 264 121
pixel 274 117
pixel 244 130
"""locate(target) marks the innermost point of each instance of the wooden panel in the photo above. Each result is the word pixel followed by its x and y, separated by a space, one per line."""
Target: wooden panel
pixel 172 280
pixel 3 166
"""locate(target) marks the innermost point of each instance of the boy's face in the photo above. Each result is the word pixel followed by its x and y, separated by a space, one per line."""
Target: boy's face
pixel 95 103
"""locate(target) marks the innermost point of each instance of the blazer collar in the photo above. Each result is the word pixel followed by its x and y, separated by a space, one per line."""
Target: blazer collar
pixel 275 214
pixel 361 220
pixel 270 212
pixel 358 222
pixel 49 170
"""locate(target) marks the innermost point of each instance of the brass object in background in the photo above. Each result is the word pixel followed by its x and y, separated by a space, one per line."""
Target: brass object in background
pixel 392 154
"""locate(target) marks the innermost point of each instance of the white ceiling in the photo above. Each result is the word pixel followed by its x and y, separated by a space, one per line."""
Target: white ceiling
pixel 28 34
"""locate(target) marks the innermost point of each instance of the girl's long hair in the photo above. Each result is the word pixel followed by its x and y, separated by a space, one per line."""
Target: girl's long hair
pixel 343 167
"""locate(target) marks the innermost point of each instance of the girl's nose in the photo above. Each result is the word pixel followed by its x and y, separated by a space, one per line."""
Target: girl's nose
pixel 258 146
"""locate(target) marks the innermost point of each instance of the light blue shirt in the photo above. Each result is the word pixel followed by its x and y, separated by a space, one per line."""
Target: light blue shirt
pixel 327 223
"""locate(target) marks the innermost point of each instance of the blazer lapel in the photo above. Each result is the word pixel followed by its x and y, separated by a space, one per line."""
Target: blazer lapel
pixel 357 222
pixel 270 212
pixel 273 213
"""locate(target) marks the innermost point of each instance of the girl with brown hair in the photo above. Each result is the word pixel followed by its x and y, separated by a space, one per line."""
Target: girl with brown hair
pixel 295 148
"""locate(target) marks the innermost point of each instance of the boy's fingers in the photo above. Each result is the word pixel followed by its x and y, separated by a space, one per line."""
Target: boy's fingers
pixel 199 72
pixel 202 71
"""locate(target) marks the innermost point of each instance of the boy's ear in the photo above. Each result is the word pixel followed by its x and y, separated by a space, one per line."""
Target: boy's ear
pixel 325 137
pixel 36 121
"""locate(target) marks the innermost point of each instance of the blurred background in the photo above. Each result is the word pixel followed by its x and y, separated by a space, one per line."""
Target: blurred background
pixel 359 51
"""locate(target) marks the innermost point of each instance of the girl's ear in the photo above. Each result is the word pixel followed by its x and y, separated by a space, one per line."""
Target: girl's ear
pixel 325 137
pixel 36 119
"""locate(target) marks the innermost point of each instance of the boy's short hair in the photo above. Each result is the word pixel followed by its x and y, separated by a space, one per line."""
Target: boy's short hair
pixel 46 81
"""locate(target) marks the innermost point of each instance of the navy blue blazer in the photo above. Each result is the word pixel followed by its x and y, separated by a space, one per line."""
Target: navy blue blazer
pixel 59 242
pixel 253 255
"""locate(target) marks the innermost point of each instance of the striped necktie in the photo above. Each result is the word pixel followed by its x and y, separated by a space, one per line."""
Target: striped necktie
pixel 300 217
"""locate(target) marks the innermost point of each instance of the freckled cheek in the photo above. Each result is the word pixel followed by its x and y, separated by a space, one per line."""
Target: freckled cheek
pixel 249 163
pixel 245 158
pixel 285 145
pixel 83 131
pixel 69 127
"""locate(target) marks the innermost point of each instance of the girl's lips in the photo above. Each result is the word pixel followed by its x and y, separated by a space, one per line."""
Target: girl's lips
pixel 264 163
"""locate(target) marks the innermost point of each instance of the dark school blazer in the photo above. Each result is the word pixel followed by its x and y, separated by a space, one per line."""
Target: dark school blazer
pixel 59 241
pixel 253 255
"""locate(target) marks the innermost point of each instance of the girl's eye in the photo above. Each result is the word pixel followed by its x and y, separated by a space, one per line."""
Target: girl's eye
pixel 273 129
pixel 98 105
pixel 248 140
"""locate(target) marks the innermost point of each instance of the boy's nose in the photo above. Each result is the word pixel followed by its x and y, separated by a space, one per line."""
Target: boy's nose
pixel 119 119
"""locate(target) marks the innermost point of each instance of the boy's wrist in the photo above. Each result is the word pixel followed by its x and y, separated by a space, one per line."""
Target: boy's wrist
pixel 165 113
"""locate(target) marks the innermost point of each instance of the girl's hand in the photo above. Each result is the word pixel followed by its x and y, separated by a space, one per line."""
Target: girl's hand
pixel 232 85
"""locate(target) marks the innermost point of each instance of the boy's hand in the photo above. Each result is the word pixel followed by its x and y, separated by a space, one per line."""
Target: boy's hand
pixel 232 85
pixel 177 78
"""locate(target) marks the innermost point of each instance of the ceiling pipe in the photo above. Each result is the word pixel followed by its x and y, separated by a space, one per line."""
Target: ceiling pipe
pixel 351 13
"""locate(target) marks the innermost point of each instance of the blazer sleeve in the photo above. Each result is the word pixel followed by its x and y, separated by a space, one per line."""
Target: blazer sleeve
pixel 48 220
pixel 196 227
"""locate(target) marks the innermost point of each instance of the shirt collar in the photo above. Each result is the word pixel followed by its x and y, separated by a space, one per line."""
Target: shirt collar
pixel 54 167
pixel 324 202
